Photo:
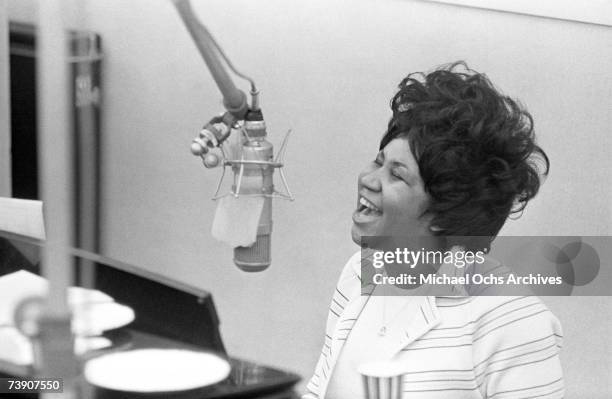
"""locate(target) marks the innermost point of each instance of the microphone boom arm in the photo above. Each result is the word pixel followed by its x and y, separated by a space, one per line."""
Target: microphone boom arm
pixel 234 99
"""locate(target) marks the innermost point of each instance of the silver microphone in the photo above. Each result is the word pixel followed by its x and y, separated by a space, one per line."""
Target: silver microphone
pixel 258 256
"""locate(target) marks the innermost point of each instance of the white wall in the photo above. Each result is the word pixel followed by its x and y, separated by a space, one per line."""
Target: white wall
pixel 327 69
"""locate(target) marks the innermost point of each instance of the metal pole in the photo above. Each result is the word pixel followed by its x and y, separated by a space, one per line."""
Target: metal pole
pixel 55 158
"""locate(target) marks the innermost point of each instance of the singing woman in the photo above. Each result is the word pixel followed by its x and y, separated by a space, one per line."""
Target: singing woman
pixel 457 159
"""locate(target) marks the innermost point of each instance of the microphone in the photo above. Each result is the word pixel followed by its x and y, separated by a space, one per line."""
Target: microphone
pixel 258 256
pixel 252 162
pixel 255 158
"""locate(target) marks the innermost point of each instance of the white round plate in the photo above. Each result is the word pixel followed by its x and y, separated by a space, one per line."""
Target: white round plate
pixel 156 370
pixel 95 318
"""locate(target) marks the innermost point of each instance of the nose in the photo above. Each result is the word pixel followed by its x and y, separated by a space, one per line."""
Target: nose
pixel 370 179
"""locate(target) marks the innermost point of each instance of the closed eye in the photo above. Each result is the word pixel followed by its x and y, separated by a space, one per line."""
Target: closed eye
pixel 400 173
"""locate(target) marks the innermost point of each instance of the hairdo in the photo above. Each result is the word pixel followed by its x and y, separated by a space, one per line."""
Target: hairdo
pixel 475 148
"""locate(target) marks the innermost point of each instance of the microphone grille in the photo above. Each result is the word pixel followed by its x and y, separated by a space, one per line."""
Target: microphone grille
pixel 255 258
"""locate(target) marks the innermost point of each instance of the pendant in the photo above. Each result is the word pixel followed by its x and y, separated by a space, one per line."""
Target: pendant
pixel 382 332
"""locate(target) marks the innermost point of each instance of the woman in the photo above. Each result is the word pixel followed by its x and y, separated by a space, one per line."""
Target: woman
pixel 457 159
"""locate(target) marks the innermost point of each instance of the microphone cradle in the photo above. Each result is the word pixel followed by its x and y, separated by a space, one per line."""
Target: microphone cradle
pixel 211 140
pixel 276 164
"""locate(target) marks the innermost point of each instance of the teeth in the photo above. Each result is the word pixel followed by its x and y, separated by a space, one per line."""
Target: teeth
pixel 368 204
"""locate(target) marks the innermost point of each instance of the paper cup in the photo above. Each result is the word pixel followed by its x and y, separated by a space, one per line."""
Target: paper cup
pixel 382 380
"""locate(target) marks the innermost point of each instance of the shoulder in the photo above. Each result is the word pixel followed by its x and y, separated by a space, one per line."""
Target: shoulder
pixel 516 316
pixel 504 324
pixel 350 277
pixel 512 316
pixel 514 331
pixel 516 346
pixel 349 282
pixel 352 268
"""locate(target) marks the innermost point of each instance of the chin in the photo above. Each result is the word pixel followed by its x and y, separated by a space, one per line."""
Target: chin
pixel 355 235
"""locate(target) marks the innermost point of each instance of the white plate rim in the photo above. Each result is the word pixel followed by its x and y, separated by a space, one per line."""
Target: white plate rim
pixel 223 374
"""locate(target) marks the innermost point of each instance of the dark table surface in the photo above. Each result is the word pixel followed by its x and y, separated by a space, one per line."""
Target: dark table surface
pixel 246 380
pixel 190 324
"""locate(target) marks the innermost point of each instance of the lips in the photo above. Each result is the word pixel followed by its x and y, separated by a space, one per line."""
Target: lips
pixel 365 205
pixel 366 211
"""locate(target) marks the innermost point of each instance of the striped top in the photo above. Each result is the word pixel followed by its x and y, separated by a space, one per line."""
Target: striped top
pixel 455 347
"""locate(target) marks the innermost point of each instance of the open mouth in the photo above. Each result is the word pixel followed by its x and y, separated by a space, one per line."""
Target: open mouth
pixel 367 208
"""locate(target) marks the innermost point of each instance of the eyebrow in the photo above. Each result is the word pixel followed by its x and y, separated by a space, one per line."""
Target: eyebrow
pixel 398 163
pixel 394 162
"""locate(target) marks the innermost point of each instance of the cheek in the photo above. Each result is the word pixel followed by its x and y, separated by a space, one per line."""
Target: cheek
pixel 423 204
pixel 405 209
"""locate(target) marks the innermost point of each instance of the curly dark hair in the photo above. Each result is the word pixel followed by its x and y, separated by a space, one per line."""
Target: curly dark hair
pixel 475 148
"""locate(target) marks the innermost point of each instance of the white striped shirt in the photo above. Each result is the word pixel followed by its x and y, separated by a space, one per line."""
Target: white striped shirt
pixel 478 347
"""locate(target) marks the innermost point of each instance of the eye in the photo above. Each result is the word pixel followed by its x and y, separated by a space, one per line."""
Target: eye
pixel 378 161
pixel 401 175
pixel 396 175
